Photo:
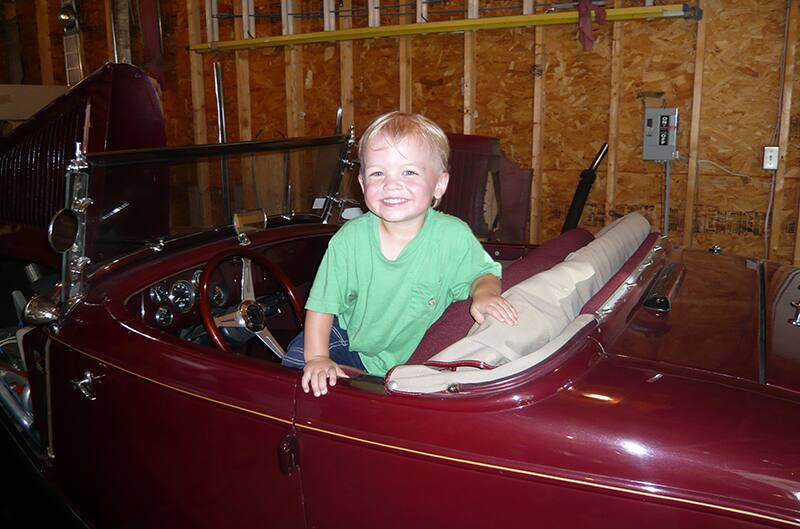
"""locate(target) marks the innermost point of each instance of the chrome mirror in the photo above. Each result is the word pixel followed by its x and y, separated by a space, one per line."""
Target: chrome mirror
pixel 249 221
pixel 63 230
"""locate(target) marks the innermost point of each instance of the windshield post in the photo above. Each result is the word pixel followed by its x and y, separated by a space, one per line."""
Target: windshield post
pixel 333 192
pixel 74 261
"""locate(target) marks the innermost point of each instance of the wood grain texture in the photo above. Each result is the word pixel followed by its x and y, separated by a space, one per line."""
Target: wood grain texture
pixel 43 33
pixel 778 213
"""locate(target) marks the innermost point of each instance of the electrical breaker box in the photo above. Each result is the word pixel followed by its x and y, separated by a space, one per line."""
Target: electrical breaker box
pixel 660 134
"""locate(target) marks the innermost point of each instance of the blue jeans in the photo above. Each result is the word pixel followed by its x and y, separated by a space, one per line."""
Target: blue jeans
pixel 338 345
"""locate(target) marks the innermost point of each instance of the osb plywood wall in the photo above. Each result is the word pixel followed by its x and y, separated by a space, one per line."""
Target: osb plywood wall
pixel 739 103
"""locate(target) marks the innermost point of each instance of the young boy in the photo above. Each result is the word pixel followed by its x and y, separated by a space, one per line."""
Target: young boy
pixel 388 275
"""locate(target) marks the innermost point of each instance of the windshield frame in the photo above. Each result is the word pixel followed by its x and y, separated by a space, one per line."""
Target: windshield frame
pixel 79 174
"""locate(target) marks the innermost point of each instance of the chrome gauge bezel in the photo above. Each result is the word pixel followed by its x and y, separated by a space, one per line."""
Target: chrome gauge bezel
pixel 163 317
pixel 183 302
pixel 159 293
pixel 220 300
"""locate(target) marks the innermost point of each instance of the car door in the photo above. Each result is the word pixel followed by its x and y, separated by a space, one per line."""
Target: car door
pixel 158 434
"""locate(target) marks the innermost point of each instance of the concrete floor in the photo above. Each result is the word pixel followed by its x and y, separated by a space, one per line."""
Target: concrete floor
pixel 25 499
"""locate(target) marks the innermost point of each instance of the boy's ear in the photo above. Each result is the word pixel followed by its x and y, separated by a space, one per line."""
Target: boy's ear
pixel 361 180
pixel 441 184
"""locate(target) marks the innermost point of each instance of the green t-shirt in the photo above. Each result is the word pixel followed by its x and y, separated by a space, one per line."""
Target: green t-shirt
pixel 386 306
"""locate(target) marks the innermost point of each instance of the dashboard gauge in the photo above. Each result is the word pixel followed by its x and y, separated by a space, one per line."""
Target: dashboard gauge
pixel 182 295
pixel 163 317
pixel 218 296
pixel 159 293
pixel 196 278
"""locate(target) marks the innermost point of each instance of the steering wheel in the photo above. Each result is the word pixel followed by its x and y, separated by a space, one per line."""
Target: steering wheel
pixel 249 315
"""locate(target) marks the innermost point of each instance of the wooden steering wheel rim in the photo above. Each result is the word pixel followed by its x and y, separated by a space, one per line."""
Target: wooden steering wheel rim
pixel 259 259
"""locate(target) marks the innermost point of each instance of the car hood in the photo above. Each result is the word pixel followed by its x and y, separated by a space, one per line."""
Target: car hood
pixel 715 323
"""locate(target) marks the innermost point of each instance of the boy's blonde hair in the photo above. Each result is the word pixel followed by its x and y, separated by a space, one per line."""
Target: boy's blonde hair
pixel 399 125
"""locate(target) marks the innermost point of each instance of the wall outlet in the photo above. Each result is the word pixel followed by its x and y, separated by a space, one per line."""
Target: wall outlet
pixel 770 158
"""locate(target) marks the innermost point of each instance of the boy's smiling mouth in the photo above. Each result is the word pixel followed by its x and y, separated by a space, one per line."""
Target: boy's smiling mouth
pixel 393 201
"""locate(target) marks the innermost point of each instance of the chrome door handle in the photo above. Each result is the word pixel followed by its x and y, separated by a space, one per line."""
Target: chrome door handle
pixel 86 384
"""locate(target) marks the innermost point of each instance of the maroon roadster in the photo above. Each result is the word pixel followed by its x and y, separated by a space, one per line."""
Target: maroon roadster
pixel 646 386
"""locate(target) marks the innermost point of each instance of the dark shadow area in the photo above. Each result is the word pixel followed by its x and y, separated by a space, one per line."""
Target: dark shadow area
pixel 25 499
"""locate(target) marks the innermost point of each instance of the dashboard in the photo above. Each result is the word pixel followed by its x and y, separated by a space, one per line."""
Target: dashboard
pixel 172 303
pixel 181 296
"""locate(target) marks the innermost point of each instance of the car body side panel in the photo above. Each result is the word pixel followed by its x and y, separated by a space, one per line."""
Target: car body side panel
pixel 570 460
pixel 175 437
pixel 354 485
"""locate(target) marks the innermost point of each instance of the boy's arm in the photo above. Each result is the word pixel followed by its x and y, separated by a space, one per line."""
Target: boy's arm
pixel 319 370
pixel 486 299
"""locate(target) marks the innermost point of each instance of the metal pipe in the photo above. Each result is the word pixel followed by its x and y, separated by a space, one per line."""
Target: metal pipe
pixel 219 92
pixel 212 24
pixel 222 136
pixel 248 21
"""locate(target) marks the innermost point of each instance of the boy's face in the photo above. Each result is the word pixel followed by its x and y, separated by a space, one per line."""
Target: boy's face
pixel 400 181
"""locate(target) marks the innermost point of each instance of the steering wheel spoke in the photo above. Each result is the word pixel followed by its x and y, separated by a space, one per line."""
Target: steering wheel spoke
pixel 230 320
pixel 248 291
pixel 266 337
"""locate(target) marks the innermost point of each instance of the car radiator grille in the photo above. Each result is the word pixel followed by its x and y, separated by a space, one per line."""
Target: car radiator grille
pixel 32 169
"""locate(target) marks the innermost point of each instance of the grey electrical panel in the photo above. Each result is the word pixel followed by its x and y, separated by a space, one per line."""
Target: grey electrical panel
pixel 660 134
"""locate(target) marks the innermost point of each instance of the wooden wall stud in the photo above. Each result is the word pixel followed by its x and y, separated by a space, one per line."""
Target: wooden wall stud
pixel 535 224
pixel 43 34
pixel 613 117
pixel 694 134
pixel 470 74
pixel 783 137
pixel 199 110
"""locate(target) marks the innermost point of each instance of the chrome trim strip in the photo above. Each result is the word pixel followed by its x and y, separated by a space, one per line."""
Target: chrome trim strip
pixel 48 384
pixel 627 285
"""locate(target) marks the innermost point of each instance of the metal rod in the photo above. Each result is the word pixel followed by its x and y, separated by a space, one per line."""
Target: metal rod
pixel 599 158
pixel 337 129
pixel 219 92
pixel 222 136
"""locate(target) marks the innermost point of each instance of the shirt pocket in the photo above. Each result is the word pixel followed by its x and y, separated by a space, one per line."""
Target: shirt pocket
pixel 425 299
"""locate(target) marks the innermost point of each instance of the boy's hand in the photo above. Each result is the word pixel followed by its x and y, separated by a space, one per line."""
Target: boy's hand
pixel 486 299
pixel 318 373
pixel 494 305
